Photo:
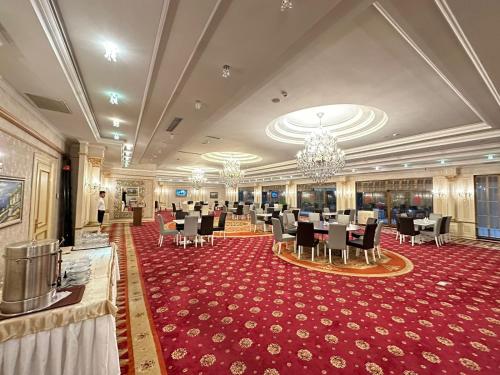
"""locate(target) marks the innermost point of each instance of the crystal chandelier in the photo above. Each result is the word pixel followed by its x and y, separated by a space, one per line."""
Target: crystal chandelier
pixel 321 157
pixel 198 178
pixel 231 174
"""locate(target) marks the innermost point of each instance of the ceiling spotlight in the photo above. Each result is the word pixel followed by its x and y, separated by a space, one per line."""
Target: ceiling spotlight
pixel 491 157
pixel 111 51
pixel 197 105
pixel 226 71
pixel 116 137
pixel 377 168
pixel 353 170
pixel 405 165
pixel 128 146
pixel 286 4
pixel 395 134
pixel 442 161
pixel 113 98
pixel 116 123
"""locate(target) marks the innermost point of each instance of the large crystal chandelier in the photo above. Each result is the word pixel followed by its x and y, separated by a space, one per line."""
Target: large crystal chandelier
pixel 198 178
pixel 321 157
pixel 231 174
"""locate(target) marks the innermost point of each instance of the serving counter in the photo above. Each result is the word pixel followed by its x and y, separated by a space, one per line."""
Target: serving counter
pixel 78 339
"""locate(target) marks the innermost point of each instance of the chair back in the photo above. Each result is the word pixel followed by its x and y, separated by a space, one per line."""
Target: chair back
pixel 347 212
pixel 173 207
pixel 226 203
pixel 314 217
pixel 398 222
pixel 277 232
pixel 378 232
pixel 275 214
pixel 207 225
pixel 224 209
pixel 369 236
pixel 435 216
pixel 320 212
pixel 326 209
pixel 285 207
pixel 371 220
pixel 340 212
pixel 343 219
pixel 266 206
pixel 290 220
pixel 447 224
pixel 191 226
pixel 305 234
pixel 352 214
pixel 253 217
pixel 337 238
pixel 437 227
pixel 239 210
pixel 179 215
pixel 194 213
pixel 161 222
pixel 296 214
pixel 246 209
pixel 270 210
pixel 406 226
pixel 204 210
pixel 222 220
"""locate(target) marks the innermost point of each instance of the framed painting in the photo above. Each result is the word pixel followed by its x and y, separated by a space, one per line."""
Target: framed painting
pixel 132 191
pixel 214 195
pixel 11 200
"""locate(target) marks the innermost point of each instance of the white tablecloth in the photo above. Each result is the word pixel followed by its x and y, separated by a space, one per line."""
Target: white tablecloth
pixel 82 337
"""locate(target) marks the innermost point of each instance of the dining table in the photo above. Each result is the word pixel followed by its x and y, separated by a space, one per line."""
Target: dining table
pixel 181 221
pixel 328 214
pixel 423 223
pixel 323 226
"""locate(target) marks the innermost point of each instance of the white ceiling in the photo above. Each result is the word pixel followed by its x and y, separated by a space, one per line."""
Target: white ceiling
pixel 384 54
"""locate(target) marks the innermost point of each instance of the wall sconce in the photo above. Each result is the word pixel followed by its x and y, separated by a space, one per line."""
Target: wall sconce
pixel 464 194
pixel 439 194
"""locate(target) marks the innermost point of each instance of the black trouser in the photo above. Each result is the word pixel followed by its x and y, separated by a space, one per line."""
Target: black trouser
pixel 100 216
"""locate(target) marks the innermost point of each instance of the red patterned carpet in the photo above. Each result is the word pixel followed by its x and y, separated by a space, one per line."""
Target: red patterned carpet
pixel 235 308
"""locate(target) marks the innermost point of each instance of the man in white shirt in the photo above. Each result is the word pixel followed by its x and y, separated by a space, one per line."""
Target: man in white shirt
pixel 101 208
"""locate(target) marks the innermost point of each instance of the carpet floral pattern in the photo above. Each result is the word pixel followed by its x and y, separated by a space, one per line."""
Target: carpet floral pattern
pixel 235 308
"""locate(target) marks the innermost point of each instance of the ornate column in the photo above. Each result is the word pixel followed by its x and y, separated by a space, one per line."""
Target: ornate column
pixel 257 194
pixel 291 194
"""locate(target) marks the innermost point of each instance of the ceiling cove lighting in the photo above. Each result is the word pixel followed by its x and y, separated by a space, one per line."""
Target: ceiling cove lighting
pixel 321 158
pixel 111 51
pixel 113 98
pixel 126 154
pixel 116 123
pixel 226 71
pixel 286 4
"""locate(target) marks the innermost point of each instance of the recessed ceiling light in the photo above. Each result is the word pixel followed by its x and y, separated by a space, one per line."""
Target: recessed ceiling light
pixel 116 136
pixel 128 146
pixel 442 161
pixel 111 51
pixel 226 71
pixel 353 170
pixel 197 105
pixel 113 98
pixel 286 4
pixel 491 157
pixel 395 134
pixel 377 168
pixel 116 123
pixel 405 165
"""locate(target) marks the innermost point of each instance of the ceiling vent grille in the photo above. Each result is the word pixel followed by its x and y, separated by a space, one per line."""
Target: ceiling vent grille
pixel 188 152
pixel 175 122
pixel 43 102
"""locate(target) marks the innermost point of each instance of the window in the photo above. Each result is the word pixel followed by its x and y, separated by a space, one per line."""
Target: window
pixel 245 195
pixel 311 198
pixel 487 206
pixel 274 194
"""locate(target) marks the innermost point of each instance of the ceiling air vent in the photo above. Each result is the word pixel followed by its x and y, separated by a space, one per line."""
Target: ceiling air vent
pixel 43 102
pixel 188 152
pixel 175 122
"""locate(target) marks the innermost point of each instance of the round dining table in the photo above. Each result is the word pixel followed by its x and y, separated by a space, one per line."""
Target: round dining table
pixel 322 227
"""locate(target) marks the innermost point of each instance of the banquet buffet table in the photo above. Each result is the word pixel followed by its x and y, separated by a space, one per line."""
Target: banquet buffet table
pixel 78 339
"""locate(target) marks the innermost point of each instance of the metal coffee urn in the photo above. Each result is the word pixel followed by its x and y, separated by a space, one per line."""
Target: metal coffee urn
pixel 30 276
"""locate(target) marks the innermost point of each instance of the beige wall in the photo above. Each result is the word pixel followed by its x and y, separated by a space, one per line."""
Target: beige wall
pixel 17 153
pixel 165 193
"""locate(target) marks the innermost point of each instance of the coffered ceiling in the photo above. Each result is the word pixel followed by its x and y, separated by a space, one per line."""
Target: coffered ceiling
pixel 428 64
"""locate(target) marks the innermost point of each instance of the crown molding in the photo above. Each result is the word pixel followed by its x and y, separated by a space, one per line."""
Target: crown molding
pixel 422 54
pixel 47 14
pixel 462 38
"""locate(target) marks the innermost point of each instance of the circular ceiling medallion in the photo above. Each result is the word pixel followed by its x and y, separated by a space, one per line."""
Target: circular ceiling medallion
pixel 221 157
pixel 344 121
pixel 190 168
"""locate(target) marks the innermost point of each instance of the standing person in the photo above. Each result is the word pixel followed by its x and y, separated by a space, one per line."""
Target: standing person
pixel 101 208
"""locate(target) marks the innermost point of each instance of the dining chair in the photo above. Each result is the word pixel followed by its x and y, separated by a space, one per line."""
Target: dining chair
pixel 305 237
pixel 221 224
pixel 296 214
pixel 398 225
pixel 285 207
pixel 290 227
pixel 173 207
pixel 190 230
pixel 246 210
pixel 407 228
pixel 367 243
pixel 194 213
pixel 326 209
pixel 370 220
pixel 344 219
pixel 162 231
pixel 275 215
pixel 239 211
pixel 434 232
pixel 279 236
pixel 444 232
pixel 337 240
pixel 352 215
pixel 254 221
pixel 270 210
pixel 206 229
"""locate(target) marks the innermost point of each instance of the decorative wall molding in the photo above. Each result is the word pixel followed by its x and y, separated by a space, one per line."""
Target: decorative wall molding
pixel 462 38
pixel 47 14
